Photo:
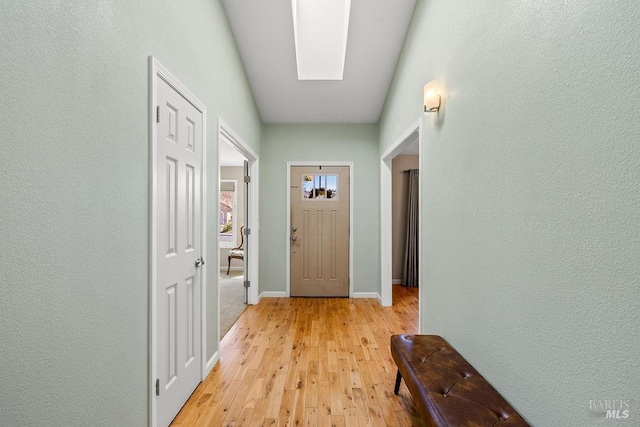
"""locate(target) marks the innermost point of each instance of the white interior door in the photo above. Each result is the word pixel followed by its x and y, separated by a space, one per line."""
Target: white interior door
pixel 178 206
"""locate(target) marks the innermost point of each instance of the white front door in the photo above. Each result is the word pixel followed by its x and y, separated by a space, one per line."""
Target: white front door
pixel 179 144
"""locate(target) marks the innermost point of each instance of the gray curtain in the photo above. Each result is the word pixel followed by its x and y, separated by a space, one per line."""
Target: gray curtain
pixel 410 265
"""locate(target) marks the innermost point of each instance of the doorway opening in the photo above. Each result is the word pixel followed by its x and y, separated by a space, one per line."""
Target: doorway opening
pixel 231 225
pixel 404 155
pixel 237 229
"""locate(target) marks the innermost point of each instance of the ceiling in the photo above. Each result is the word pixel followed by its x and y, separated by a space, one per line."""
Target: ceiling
pixel 263 30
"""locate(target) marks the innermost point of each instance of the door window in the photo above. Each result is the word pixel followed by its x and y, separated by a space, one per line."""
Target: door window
pixel 320 187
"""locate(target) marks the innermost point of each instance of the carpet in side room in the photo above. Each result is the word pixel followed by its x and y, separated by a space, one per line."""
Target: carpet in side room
pixel 232 297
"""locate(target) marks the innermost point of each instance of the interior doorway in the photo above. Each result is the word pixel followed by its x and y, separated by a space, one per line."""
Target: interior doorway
pixel 236 227
pixel 404 192
pixel 407 152
pixel 231 225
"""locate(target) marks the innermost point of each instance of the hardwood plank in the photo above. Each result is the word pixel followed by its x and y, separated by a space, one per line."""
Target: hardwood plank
pixel 360 401
pixel 309 361
pixel 336 394
pixel 286 408
pixel 276 397
pixel 324 403
pixel 297 418
pixel 259 413
pixel 311 396
pixel 311 417
pixel 238 403
pixel 337 421
pixel 244 418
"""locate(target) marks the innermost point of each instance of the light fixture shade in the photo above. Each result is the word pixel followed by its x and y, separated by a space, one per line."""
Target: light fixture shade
pixel 432 97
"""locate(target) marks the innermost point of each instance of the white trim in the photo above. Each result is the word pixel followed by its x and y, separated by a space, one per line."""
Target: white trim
pixel 396 282
pixel 366 295
pixel 268 294
pixel 157 70
pixel 232 138
pixel 402 141
pixel 421 187
pixel 386 280
pixel 203 292
pixel 225 132
pixel 288 222
pixel 211 363
pixel 229 136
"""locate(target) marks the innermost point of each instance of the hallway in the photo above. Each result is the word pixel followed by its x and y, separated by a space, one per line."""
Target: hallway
pixel 309 361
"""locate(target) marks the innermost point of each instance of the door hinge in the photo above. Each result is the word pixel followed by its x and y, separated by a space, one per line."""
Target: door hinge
pixel 247 231
pixel 247 283
pixel 247 179
pixel 158 114
pixel 158 387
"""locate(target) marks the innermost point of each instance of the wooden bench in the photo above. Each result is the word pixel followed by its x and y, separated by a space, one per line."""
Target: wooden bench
pixel 446 389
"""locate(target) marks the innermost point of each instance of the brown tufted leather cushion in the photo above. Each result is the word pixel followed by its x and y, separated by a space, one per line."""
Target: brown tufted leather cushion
pixel 445 387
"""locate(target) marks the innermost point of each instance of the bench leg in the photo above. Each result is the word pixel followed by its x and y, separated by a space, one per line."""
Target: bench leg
pixel 398 379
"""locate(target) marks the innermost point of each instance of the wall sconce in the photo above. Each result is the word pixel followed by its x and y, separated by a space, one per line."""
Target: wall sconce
pixel 432 98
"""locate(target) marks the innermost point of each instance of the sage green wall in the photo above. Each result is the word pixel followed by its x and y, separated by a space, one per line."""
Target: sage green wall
pixel 282 143
pixel 531 195
pixel 74 194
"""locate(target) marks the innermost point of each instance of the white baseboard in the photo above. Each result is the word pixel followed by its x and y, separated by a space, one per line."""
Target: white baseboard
pixel 273 295
pixel 396 282
pixel 355 295
pixel 367 295
pixel 224 270
pixel 211 363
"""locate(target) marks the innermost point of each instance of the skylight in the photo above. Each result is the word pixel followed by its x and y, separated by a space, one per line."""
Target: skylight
pixel 320 29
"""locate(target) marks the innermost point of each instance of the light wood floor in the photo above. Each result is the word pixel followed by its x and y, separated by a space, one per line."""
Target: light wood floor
pixel 309 361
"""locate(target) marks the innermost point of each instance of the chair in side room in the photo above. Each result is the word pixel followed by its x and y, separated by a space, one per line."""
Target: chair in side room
pixel 236 253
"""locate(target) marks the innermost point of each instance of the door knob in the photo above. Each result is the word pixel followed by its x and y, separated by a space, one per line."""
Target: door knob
pixel 199 262
pixel 294 238
pixel 294 229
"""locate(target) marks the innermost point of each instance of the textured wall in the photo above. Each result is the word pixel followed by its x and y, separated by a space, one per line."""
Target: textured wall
pixel 340 142
pixel 531 194
pixel 74 194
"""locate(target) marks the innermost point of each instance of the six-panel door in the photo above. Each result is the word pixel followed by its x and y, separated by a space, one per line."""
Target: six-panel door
pixel 178 206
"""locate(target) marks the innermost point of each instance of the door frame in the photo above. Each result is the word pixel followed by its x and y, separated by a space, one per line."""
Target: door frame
pixel 288 222
pixel 158 71
pixel 386 236
pixel 253 222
